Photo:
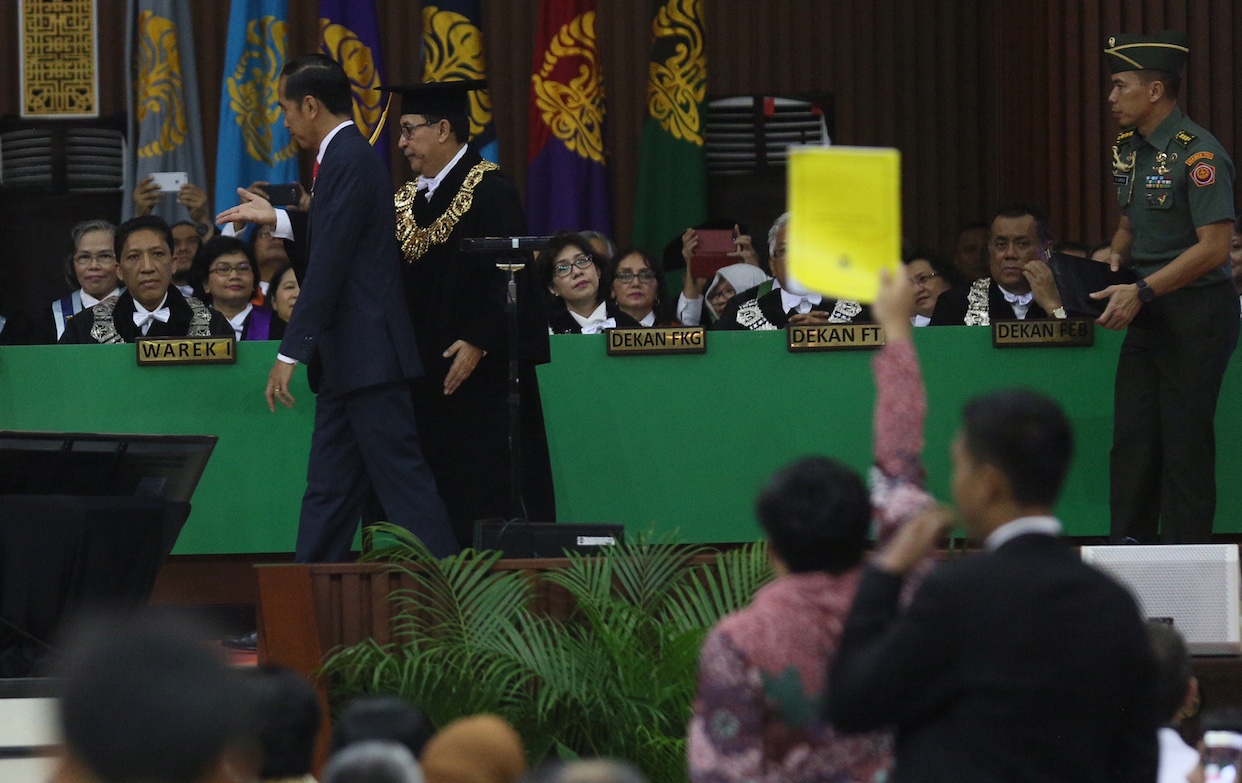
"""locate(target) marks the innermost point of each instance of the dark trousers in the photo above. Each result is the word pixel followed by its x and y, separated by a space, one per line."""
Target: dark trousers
pixel 1163 462
pixel 367 438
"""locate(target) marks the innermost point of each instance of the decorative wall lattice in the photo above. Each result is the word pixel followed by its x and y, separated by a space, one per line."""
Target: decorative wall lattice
pixel 59 63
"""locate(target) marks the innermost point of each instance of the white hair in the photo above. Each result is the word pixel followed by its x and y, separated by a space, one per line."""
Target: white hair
pixel 780 223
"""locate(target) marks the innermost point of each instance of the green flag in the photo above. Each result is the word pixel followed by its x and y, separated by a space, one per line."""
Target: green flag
pixel 672 169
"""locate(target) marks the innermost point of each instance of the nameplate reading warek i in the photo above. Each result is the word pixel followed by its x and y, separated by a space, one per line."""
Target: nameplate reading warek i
pixel 186 350
pixel 1041 333
pixel 834 337
pixel 661 339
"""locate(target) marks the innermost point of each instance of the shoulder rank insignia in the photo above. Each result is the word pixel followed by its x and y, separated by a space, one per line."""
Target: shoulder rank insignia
pixel 1183 138
pixel 1125 135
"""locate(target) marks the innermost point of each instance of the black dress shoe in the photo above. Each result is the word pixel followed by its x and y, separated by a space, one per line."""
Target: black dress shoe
pixel 248 642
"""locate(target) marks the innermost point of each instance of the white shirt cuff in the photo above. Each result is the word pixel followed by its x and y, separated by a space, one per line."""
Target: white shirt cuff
pixel 286 359
pixel 284 229
pixel 689 310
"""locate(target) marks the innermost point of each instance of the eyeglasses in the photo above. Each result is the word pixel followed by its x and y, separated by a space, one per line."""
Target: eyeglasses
pixel 407 131
pixel 565 267
pixel 224 270
pixel 923 280
pixel 643 275
pixel 104 258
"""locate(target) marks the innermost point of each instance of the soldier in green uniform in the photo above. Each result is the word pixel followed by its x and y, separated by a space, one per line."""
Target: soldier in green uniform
pixel 1175 186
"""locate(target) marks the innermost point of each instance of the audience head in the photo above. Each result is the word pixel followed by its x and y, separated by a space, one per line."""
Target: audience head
pixel 92 266
pixel 572 272
pixel 588 771
pixel 729 282
pixel 283 290
pixel 931 277
pixel 1021 233
pixel 186 243
pixel 374 761
pixel 435 122
pixel 147 700
pixel 970 252
pixel 816 513
pixel 777 237
pixel 225 270
pixel 313 93
pixel 1011 454
pixel 269 250
pixel 475 749
pixel 602 245
pixel 1177 690
pixel 144 251
pixel 285 718
pixel 638 285
pixel 387 718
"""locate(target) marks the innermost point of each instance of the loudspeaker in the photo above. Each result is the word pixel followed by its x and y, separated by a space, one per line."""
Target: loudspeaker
pixel 1194 586
pixel 518 538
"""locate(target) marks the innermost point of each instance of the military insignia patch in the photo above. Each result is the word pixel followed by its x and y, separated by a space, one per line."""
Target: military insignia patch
pixel 1198 156
pixel 1203 174
pixel 1183 138
pixel 1124 135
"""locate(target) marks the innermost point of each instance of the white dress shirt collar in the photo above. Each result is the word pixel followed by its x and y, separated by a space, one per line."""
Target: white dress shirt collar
pixel 592 321
pixel 1020 302
pixel 1048 526
pixel 323 145
pixel 430 184
pixel 920 320
pixel 793 301
pixel 238 322
pixel 90 301
pixel 648 319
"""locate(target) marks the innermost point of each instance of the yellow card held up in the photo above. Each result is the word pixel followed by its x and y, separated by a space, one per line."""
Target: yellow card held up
pixel 845 219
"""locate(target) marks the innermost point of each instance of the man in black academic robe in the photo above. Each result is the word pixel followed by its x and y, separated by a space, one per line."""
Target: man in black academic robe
pixel 150 305
pixel 457 303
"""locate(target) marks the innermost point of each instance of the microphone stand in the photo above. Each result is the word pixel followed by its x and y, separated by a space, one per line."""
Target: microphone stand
pixel 517 500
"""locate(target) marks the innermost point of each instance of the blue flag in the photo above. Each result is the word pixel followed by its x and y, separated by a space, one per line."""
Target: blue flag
pixel 452 51
pixel 349 34
pixel 254 143
pixel 166 127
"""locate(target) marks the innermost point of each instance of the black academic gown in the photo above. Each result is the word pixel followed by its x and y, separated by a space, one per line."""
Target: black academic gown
pixel 180 316
pixel 772 311
pixel 952 306
pixel 461 296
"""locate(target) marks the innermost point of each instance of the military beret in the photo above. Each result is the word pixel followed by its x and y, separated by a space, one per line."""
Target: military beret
pixel 1166 51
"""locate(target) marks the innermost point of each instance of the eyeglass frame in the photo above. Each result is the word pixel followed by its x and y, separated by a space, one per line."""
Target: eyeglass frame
pixel 84 259
pixel 642 275
pixel 407 132
pixel 582 261
pixel 224 270
pixel 924 279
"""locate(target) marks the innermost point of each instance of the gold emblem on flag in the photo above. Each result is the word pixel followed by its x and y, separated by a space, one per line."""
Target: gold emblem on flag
pixel 159 83
pixel 343 45
pixel 677 85
pixel 453 49
pixel 253 88
pixel 573 110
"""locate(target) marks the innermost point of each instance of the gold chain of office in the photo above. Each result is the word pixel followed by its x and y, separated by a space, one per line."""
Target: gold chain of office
pixel 416 240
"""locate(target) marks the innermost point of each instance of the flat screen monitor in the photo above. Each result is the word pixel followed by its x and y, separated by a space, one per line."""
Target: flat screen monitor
pixel 103 465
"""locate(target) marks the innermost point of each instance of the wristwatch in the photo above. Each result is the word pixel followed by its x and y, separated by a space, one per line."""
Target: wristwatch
pixel 1059 313
pixel 1145 292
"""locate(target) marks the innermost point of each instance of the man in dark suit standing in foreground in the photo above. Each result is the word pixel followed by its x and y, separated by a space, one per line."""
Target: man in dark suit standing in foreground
pixel 351 327
pixel 1021 663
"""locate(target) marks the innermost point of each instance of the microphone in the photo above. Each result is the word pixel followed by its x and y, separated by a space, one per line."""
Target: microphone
pixel 497 244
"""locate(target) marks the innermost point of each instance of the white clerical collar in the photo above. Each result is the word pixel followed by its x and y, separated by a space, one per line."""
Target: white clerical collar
pixel 597 316
pixel 920 320
pixel 792 301
pixel 1048 526
pixel 323 145
pixel 90 301
pixel 238 322
pixel 430 184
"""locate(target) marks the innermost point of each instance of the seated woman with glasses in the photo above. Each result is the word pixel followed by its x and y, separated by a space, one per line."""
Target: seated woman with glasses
pixel 728 282
pixel 639 292
pixel 225 270
pixel 931 276
pixel 92 268
pixel 572 275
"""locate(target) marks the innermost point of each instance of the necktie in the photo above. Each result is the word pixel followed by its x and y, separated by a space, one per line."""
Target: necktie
pixel 314 176
pixel 144 317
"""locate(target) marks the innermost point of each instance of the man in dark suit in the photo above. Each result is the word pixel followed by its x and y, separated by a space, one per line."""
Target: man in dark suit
pixel 1021 285
pixel 150 306
pixel 1021 663
pixel 352 329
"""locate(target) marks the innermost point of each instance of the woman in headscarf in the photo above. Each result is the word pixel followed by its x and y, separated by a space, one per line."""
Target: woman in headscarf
pixel 728 283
